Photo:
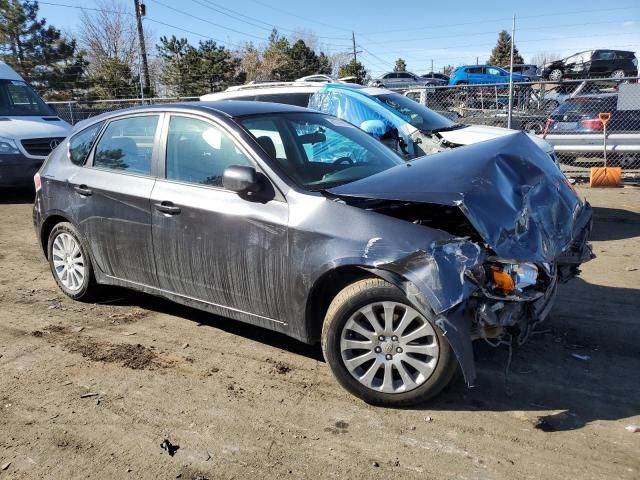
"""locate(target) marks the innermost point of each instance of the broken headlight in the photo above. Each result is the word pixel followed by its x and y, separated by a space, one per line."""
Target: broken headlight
pixel 510 277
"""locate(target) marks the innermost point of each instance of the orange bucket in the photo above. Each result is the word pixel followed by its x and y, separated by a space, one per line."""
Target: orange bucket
pixel 602 177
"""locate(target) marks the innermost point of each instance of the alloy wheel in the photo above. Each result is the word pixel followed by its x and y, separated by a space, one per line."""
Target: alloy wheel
pixel 389 347
pixel 68 261
pixel 555 75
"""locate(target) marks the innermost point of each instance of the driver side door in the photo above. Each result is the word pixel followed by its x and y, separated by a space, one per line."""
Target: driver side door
pixel 211 244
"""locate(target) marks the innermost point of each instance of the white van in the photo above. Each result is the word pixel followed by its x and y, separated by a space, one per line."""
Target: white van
pixel 29 130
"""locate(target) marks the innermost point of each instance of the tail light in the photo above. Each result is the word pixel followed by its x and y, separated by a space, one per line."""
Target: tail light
pixel 37 181
pixel 547 127
pixel 592 124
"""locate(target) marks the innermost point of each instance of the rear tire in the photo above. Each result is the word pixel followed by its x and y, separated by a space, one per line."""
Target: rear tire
pixel 409 359
pixel 618 74
pixel 70 262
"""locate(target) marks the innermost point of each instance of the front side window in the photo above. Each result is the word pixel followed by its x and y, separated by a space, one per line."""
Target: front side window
pixel 322 151
pixel 127 145
pixel 199 152
pixel 493 71
pixel 18 99
pixel 81 143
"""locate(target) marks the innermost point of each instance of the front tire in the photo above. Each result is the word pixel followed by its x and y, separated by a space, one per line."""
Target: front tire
pixel 70 262
pixel 555 75
pixel 381 349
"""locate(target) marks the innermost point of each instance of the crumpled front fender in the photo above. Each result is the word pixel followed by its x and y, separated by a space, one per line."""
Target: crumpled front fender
pixel 435 283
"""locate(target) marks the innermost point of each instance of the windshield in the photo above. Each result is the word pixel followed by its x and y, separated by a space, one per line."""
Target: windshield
pixel 317 151
pixel 417 115
pixel 18 99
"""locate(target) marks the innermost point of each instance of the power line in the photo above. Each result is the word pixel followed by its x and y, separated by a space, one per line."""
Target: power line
pixel 286 12
pixel 471 34
pixel 477 22
pixel 493 44
pixel 269 26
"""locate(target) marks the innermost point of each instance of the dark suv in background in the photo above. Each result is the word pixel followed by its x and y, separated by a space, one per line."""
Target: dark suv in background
pixel 593 63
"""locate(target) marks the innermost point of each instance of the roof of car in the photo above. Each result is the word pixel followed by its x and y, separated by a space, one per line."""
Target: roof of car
pixel 236 108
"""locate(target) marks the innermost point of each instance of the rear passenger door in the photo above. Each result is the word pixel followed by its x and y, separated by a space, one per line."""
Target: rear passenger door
pixel 602 63
pixel 112 193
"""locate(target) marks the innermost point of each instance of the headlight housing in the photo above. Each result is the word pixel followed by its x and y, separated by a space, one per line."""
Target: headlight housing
pixel 8 146
pixel 511 277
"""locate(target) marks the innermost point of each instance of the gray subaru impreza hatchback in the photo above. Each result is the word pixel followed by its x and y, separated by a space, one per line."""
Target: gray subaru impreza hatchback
pixel 298 222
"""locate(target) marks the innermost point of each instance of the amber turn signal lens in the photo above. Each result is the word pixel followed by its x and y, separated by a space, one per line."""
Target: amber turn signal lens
pixel 502 280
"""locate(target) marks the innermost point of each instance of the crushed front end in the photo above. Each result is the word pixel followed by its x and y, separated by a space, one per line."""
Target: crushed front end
pixel 518 230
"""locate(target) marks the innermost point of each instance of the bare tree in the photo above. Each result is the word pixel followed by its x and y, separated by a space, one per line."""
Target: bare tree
pixel 541 58
pixel 109 34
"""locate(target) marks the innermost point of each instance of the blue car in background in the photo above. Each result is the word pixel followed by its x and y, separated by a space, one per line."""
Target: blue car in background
pixel 482 74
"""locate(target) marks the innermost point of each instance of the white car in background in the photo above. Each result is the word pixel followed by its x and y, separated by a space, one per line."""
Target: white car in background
pixel 420 130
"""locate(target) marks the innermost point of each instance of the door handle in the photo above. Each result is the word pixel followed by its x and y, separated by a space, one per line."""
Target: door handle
pixel 167 207
pixel 83 190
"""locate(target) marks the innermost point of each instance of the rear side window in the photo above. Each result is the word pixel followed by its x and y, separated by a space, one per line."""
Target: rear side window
pixel 127 145
pixel 299 99
pixel 474 70
pixel 80 144
pixel 589 107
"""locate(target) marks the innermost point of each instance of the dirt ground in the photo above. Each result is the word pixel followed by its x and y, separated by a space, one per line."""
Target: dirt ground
pixel 241 402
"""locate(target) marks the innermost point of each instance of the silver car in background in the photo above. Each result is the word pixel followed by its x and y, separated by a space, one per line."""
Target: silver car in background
pixel 399 80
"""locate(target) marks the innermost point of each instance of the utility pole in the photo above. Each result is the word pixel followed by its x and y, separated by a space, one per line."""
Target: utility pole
pixel 355 54
pixel 513 41
pixel 141 10
pixel 432 68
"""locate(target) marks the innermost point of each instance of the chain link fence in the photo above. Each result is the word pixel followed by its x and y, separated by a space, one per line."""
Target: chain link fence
pixel 77 110
pixel 570 115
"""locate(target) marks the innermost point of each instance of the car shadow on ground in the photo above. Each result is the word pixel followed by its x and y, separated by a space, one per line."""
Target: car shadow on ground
pixel 204 319
pixel 581 363
pixel 570 365
pixel 16 195
pixel 614 224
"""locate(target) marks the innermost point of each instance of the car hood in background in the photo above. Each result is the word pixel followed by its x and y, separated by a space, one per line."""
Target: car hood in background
pixel 479 133
pixel 518 202
pixel 33 127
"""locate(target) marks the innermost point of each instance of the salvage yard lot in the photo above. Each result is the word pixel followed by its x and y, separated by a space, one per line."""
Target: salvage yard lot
pixel 240 401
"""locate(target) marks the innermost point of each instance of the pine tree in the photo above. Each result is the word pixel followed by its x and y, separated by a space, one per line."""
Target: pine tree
pixel 401 66
pixel 355 69
pixel 217 66
pixel 37 51
pixel 501 53
pixel 275 56
pixel 181 66
pixel 324 64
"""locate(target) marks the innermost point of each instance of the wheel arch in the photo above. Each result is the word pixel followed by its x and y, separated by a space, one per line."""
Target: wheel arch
pixel 46 228
pixel 453 323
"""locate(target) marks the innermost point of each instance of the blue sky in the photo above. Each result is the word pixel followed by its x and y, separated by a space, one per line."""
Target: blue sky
pixel 454 32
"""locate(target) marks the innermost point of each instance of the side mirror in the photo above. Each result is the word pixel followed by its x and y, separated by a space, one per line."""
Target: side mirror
pixel 375 128
pixel 240 179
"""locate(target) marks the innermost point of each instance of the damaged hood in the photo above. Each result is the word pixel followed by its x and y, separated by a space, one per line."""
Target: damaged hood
pixel 519 203
pixel 479 133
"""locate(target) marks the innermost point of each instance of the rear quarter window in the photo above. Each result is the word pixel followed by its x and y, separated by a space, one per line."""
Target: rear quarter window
pixel 298 99
pixel 82 142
